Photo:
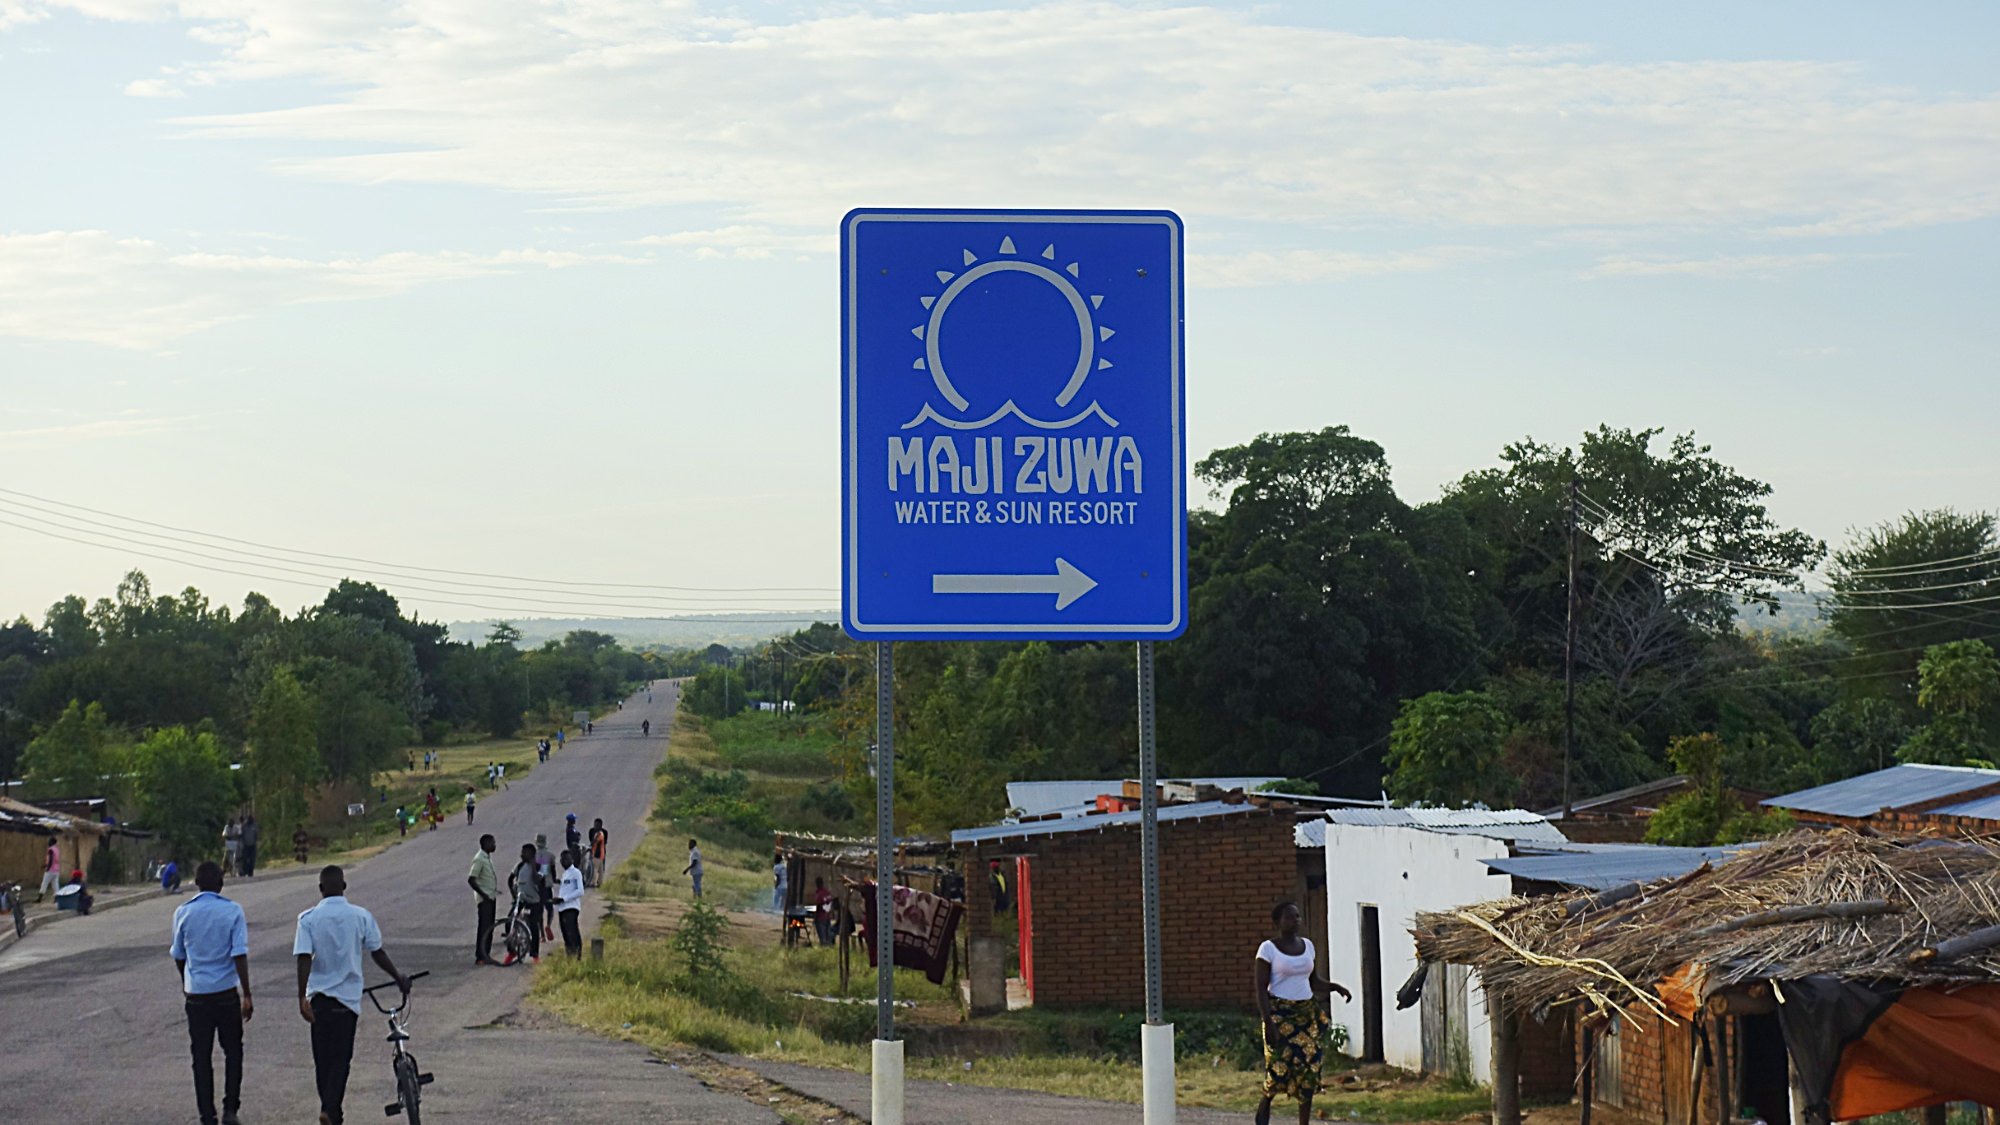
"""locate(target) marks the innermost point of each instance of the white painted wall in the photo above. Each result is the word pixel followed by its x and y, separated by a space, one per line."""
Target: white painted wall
pixel 1401 871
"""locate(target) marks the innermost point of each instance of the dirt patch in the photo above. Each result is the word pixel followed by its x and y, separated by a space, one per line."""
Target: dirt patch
pixel 751 1087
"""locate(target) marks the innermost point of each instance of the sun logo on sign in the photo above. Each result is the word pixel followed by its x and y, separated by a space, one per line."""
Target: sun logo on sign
pixel 1082 309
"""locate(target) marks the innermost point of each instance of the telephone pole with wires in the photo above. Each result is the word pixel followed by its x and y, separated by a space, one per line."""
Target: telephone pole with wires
pixel 1569 655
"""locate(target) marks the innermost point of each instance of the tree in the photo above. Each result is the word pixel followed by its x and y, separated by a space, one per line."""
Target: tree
pixel 359 731
pixel 503 633
pixel 1693 818
pixel 1445 749
pixel 1853 736
pixel 185 791
pixel 79 756
pixel 1955 682
pixel 284 752
pixel 1928 561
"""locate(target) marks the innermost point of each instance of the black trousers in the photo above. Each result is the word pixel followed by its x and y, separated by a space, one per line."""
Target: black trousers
pixel 212 1016
pixel 482 942
pixel 248 858
pixel 333 1051
pixel 572 936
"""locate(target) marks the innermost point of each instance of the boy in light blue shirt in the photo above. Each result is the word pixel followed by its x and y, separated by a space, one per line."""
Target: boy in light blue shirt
pixel 211 950
pixel 331 938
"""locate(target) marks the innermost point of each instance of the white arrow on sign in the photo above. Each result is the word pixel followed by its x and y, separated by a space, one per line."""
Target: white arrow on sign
pixel 1067 583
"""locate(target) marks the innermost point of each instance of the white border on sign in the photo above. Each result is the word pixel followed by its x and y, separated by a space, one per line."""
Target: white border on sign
pixel 851 595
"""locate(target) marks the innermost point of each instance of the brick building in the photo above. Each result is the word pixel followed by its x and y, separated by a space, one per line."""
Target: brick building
pixel 1903 800
pixel 1074 888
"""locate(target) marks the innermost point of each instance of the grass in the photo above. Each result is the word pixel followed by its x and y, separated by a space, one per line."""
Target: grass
pixel 640 992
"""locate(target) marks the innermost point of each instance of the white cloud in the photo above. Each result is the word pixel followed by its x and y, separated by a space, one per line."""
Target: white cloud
pixel 1727 265
pixel 743 241
pixel 94 287
pixel 626 103
pixel 129 424
pixel 1296 267
pixel 153 88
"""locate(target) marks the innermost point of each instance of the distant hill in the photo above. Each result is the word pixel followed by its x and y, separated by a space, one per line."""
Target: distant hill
pixel 1798 615
pixel 665 632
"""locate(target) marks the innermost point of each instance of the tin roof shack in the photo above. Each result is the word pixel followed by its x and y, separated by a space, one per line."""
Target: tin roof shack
pixel 1072 885
pixel 24 839
pixel 1383 866
pixel 1038 800
pixel 1903 800
pixel 1870 965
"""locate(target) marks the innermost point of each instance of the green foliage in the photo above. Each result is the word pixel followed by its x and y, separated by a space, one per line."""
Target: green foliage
pixel 1689 820
pixel 1853 736
pixel 699 942
pixel 716 693
pixel 1750 824
pixel 185 791
pixel 284 762
pixel 79 756
pixel 1445 749
pixel 107 866
pixel 714 802
pixel 1302 786
pixel 1958 678
pixel 1874 573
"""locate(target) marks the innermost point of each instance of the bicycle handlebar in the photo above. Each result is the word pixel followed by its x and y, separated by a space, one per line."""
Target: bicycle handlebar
pixel 388 983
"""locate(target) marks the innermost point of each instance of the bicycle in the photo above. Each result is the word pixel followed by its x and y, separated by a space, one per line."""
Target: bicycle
pixel 410 1082
pixel 513 933
pixel 10 901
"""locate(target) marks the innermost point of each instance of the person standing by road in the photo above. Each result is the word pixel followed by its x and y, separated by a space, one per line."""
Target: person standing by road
pixel 251 833
pixel 232 845
pixel 573 837
pixel 569 905
pixel 693 868
pixel 779 874
pixel 600 843
pixel 300 842
pixel 211 951
pixel 1289 991
pixel 470 801
pixel 486 885
pixel 51 870
pixel 433 808
pixel 329 943
pixel 545 862
pixel 531 891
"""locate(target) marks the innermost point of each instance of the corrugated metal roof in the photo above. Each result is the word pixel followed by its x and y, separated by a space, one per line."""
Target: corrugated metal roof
pixel 1194 811
pixel 1985 808
pixel 1499 824
pixel 1643 788
pixel 1074 798
pixel 1601 868
pixel 1893 788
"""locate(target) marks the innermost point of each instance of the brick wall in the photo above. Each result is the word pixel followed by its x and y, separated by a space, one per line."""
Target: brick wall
pixel 1655 1068
pixel 1219 878
pixel 1548 1056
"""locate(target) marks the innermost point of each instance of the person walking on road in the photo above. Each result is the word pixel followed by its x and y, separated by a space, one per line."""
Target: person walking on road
pixel 693 868
pixel 645 728
pixel 211 951
pixel 433 809
pixel 251 833
pixel 1289 995
pixel 485 884
pixel 530 890
pixel 300 841
pixel 329 943
pixel 51 870
pixel 600 842
pixel 569 905
pixel 470 801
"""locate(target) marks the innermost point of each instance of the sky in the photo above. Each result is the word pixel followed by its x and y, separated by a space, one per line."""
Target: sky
pixel 548 291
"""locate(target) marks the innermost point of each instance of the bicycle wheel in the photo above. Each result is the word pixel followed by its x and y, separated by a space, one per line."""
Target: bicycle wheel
pixel 505 938
pixel 409 1088
pixel 20 919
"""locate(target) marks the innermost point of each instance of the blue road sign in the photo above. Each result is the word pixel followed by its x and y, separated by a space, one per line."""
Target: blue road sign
pixel 1013 460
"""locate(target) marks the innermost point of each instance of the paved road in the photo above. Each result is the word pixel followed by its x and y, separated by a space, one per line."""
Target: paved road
pixel 947 1103
pixel 90 1018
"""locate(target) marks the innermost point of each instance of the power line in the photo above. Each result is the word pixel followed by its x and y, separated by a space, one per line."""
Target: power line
pixel 539 582
pixel 503 593
pixel 649 612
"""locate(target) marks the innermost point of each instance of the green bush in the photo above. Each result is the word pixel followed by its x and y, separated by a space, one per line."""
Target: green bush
pixel 107 866
pixel 435 731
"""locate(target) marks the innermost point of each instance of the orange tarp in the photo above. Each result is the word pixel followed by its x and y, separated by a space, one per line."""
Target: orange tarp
pixel 1930 1046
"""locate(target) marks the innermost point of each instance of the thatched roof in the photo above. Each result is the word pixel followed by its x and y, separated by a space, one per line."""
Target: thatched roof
pixel 1852 906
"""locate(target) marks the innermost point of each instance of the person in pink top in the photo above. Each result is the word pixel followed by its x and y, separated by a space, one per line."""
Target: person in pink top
pixel 51 871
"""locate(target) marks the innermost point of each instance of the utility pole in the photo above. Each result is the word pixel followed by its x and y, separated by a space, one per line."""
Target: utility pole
pixel 1569 656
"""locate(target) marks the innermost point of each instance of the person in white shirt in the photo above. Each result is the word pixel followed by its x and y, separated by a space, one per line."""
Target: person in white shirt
pixel 331 938
pixel 569 904
pixel 1289 991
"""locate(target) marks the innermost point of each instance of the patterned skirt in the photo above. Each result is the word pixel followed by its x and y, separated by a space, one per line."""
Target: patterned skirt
pixel 1293 1044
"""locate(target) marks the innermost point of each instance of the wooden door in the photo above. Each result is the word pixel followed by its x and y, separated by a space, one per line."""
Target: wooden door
pixel 1609 1064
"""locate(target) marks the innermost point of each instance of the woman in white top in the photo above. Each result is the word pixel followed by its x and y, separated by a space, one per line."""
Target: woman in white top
pixel 1289 990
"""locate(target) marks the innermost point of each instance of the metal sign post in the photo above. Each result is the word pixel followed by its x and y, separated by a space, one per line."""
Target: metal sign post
pixel 887 1078
pixel 1013 468
pixel 1156 1039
